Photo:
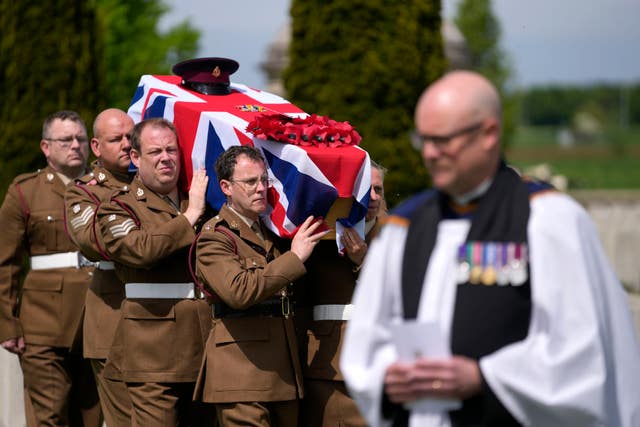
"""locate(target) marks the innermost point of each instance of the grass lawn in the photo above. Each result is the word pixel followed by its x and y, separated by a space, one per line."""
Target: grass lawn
pixel 611 163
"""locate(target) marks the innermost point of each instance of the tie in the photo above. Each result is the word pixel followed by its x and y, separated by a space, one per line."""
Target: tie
pixel 258 230
pixel 172 203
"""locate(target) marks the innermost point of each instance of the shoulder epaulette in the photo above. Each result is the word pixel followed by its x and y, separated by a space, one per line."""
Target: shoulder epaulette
pixel 26 176
pixel 214 222
pixel 402 213
pixel 537 187
pixel 85 179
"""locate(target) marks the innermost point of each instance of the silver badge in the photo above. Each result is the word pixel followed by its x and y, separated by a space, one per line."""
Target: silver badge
pixel 111 217
pixel 140 192
pixel 76 209
pixel 50 176
pixel 101 176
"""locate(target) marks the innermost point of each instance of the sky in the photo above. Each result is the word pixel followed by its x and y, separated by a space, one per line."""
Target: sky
pixel 547 41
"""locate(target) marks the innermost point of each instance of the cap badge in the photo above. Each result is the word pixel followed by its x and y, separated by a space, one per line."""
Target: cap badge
pixel 216 72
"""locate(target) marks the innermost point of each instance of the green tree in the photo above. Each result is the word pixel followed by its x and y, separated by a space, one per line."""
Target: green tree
pixel 89 57
pixel 367 61
pixel 134 46
pixel 46 65
pixel 482 32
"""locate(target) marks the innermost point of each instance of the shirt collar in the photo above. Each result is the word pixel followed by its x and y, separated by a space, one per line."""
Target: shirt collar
pixel 474 194
pixel 246 220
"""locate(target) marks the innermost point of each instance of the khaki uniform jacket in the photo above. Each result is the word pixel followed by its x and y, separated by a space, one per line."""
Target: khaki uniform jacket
pixel 106 292
pixel 252 358
pixel 32 221
pixel 157 340
pixel 331 279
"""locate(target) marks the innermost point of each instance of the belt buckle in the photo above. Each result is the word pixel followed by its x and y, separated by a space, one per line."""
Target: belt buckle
pixel 84 262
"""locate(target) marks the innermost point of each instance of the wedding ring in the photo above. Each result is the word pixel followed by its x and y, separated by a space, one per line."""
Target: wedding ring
pixel 436 384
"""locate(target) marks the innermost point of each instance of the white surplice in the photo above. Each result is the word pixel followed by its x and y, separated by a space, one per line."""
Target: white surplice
pixel 580 362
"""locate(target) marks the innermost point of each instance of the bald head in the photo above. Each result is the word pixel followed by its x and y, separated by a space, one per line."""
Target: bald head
pixel 110 142
pixel 459 120
pixel 463 93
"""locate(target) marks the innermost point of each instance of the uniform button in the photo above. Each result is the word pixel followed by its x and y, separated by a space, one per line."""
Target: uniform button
pixel 125 188
pixel 254 263
pixel 49 218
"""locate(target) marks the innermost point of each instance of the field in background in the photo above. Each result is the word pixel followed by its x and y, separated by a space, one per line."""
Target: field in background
pixel 608 161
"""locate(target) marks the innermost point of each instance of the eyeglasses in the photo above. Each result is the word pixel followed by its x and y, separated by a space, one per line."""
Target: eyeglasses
pixel 250 184
pixel 440 141
pixel 68 140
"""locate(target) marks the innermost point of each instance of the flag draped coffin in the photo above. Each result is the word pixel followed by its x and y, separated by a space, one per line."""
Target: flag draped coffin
pixel 307 180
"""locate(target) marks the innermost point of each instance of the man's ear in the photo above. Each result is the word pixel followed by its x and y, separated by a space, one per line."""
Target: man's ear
pixel 95 147
pixel 135 157
pixel 225 186
pixel 491 134
pixel 44 146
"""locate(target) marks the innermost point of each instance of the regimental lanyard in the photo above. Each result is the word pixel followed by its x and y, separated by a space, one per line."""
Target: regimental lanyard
pixel 492 263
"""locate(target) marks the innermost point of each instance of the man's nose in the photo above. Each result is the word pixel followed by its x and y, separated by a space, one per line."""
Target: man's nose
pixel 429 151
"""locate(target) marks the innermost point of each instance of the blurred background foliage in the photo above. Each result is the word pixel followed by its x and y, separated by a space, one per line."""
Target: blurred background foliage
pixel 363 61
pixel 367 61
pixel 89 57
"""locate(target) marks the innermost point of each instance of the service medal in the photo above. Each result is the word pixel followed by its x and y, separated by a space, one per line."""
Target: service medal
pixel 518 265
pixel 489 276
pixel 475 274
pixel 462 272
pixel 489 260
pixel 518 274
pixel 502 271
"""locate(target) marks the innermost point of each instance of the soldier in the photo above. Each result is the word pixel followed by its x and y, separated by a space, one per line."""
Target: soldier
pixel 147 229
pixel 251 370
pixel 110 144
pixel 326 295
pixel 41 329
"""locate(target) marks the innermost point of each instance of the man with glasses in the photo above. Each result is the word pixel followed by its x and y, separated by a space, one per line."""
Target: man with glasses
pixel 488 300
pixel 251 370
pixel 41 327
pixel 110 172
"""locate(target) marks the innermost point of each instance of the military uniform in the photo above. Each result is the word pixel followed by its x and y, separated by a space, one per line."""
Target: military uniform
pixel 325 306
pixel 106 292
pixel 159 341
pixel 52 298
pixel 251 367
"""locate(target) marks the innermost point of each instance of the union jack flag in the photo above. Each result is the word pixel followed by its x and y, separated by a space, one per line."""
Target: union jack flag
pixel 307 180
